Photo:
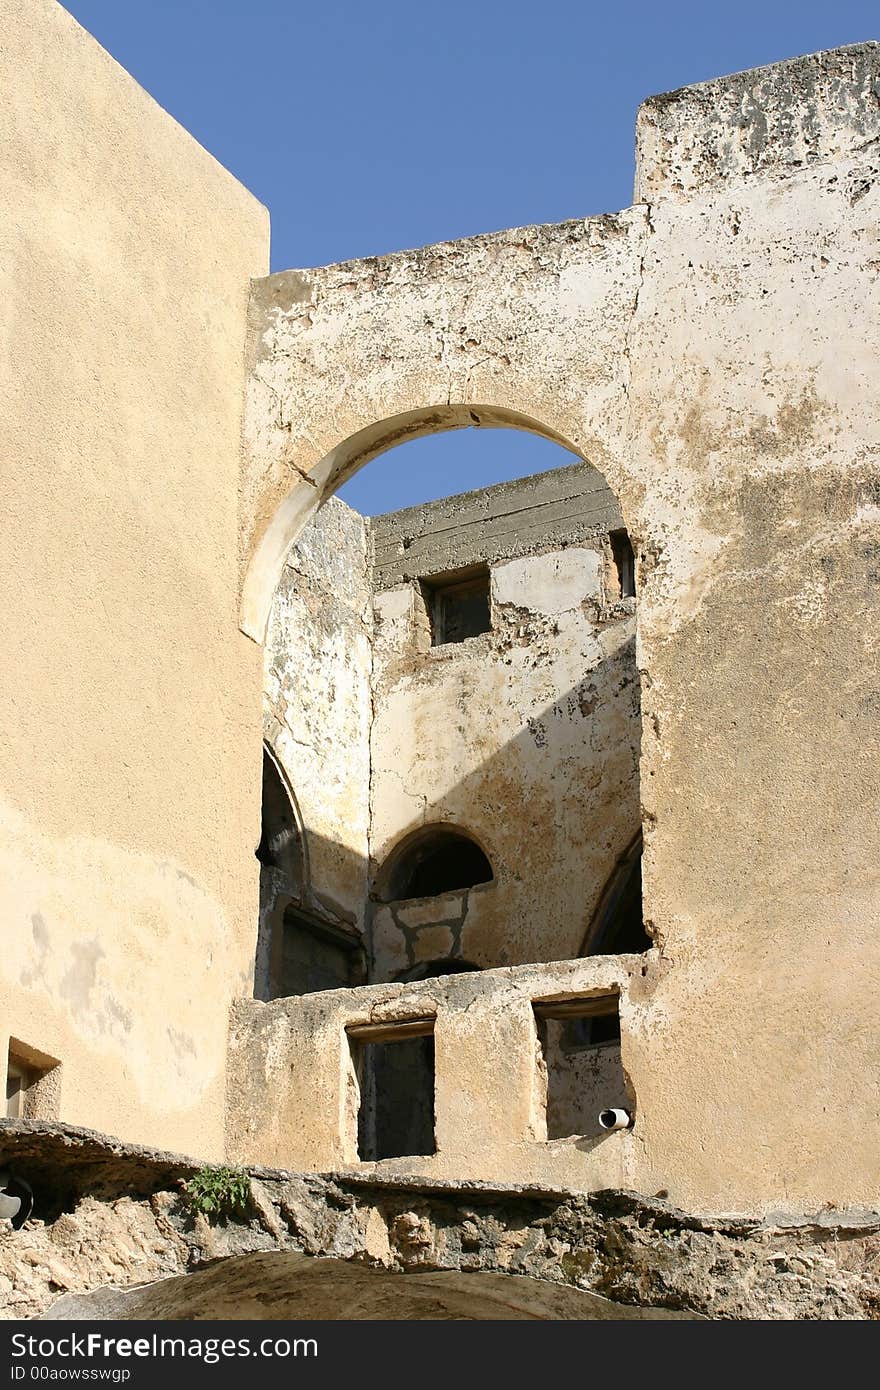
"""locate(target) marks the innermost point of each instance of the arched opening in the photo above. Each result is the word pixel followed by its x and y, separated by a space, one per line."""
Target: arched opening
pixel 282 873
pixel 280 850
pixel 445 464
pixel 297 952
pixel 438 859
pixel 617 927
pixel 342 463
pixel 498 688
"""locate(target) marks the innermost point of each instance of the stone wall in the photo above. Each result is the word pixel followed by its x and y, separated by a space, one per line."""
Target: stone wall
pixel 712 352
pixel 124 1223
pixel 526 737
pixel 317 705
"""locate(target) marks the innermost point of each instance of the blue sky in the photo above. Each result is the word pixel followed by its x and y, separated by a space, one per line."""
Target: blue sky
pixel 367 128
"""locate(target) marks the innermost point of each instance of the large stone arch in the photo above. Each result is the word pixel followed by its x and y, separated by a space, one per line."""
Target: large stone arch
pixel 527 328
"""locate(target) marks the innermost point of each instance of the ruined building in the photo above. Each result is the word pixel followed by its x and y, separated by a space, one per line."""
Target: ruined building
pixel 565 792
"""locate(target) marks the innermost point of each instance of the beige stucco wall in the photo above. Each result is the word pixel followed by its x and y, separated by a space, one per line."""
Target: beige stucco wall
pixel 713 352
pixel 294 1097
pixel 129 806
pixel 756 400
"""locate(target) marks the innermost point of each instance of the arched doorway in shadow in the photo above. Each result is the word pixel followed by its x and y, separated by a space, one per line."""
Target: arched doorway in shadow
pixel 435 859
pixel 617 926
pixel 297 952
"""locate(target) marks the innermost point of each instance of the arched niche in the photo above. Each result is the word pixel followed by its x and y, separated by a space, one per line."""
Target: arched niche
pixel 283 870
pixel 434 860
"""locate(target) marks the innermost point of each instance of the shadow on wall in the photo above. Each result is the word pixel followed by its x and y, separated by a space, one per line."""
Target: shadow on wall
pixel 533 856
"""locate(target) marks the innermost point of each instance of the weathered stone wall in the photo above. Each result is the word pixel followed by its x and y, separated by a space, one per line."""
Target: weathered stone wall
pixel 129 776
pixel 526 737
pixel 547 511
pixel 712 353
pixel 755 408
pixel 317 706
pixel 770 120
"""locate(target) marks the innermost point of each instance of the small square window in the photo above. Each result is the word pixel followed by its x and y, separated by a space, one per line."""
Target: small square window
pixel 394 1065
pixel 580 1069
pixel 458 605
pixel 32 1080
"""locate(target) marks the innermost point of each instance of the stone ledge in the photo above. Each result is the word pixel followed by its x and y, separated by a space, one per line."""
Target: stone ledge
pixel 100 1165
pixel 111 1213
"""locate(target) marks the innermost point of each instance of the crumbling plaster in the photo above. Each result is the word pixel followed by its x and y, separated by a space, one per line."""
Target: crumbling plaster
pixel 294 1094
pixel 527 738
pixel 318 708
pixel 713 352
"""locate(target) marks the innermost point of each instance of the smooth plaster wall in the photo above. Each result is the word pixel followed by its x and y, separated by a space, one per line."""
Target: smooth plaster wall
pixel 714 353
pixel 131 734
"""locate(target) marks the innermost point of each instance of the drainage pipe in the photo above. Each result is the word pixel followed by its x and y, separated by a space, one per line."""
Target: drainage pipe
pixel 615 1119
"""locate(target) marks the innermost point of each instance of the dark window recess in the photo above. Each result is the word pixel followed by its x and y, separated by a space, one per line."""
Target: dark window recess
pixel 458 606
pixel 578 1033
pixel 18 1081
pixel 580 1046
pixel 440 862
pixel 624 563
pixel 396 1078
pixel 315 956
pixel 617 927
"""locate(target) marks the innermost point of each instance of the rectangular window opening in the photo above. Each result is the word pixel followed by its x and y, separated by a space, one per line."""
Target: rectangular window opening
pixel 31 1083
pixel 394 1064
pixel 458 605
pixel 624 563
pixel 580 1063
pixel 315 956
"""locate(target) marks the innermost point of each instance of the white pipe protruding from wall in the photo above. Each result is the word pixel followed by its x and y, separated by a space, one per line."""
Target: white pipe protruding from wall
pixel 615 1119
